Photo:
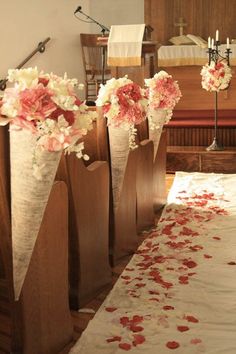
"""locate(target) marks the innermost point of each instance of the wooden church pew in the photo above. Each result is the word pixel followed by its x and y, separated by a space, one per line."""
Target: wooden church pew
pixel 4 201
pixel 144 186
pixel 159 173
pixel 40 321
pixel 45 314
pixel 157 192
pixel 6 290
pixel 89 269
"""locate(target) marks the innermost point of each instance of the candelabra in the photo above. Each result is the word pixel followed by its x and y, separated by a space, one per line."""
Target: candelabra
pixel 215 56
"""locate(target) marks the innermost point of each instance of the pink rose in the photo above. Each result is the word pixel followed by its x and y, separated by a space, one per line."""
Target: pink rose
pixel 36 103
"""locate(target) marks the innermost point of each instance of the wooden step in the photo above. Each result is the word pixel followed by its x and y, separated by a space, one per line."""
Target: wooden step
pixel 198 159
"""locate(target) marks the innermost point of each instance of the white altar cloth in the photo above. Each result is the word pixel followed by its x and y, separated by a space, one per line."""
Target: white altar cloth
pixel 178 292
pixel 182 55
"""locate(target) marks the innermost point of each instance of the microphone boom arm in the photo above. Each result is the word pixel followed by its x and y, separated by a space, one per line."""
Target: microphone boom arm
pixel 104 28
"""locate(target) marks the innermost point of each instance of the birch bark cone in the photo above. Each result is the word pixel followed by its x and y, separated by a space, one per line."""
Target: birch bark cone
pixel 29 197
pixel 119 152
pixel 158 118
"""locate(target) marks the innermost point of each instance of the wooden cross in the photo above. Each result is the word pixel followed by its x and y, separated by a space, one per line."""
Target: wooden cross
pixel 181 24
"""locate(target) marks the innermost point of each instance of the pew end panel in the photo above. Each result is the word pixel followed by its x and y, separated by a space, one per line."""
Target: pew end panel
pixel 159 173
pixel 89 229
pixel 44 304
pixel 144 186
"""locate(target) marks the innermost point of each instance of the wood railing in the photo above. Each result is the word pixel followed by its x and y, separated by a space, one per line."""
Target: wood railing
pixel 40 48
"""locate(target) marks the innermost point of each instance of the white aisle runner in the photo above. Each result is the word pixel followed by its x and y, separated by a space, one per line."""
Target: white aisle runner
pixel 178 293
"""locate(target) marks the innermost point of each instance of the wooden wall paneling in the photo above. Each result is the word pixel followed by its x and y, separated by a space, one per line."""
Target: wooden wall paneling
pixel 144 186
pixel 89 229
pixel 203 17
pixel 46 320
pixel 159 173
pixel 202 136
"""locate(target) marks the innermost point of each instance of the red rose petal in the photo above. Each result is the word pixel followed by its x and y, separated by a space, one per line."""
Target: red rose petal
pixel 183 279
pixel 137 318
pixel 154 299
pixel 183 328
pixel 134 328
pixel 125 346
pixel 172 345
pixel 196 341
pixel 154 292
pixel 190 264
pixel 114 339
pixel 191 319
pixel 216 238
pixel 196 248
pixel 191 274
pixel 168 307
pixel 232 263
pixel 110 309
pixel 140 285
pixel 124 320
pixel 207 256
pixel 138 339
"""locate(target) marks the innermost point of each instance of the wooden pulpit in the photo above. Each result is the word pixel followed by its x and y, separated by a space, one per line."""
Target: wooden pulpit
pixel 148 66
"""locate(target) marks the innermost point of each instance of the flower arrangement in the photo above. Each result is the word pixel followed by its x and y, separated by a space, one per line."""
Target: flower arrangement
pixel 163 93
pixel 47 106
pixel 216 76
pixel 124 105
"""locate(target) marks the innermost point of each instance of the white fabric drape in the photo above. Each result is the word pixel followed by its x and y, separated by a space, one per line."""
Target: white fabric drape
pixel 125 45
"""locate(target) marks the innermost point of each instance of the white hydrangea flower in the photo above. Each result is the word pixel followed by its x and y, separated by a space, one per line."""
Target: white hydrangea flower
pixel 26 78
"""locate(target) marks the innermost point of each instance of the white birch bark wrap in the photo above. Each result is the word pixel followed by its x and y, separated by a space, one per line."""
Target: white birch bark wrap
pixel 119 152
pixel 156 121
pixel 29 197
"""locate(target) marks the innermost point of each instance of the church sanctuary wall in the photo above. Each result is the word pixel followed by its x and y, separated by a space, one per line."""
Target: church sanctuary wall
pixel 25 23
pixel 203 17
pixel 113 12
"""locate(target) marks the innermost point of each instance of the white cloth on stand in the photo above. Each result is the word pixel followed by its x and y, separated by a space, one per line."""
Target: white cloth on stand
pixel 125 45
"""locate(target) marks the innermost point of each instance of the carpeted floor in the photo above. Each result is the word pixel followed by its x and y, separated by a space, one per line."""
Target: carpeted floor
pixel 178 292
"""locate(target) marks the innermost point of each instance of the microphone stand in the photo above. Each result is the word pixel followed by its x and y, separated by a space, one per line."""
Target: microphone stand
pixel 104 29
